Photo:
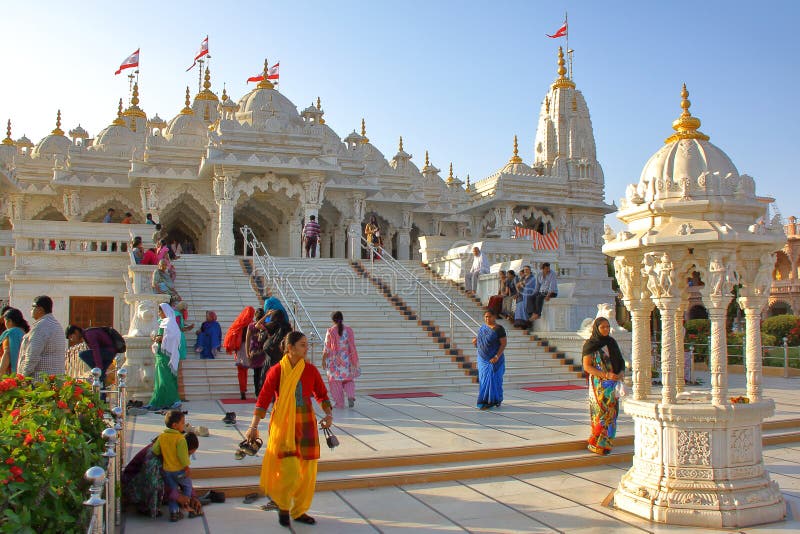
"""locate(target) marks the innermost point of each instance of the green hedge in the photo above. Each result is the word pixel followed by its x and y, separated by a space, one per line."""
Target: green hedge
pixel 49 436
pixel 780 325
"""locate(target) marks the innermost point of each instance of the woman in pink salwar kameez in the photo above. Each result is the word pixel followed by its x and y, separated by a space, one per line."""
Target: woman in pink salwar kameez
pixel 340 360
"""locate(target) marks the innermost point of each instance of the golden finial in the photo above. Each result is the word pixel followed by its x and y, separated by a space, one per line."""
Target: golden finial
pixel 224 94
pixel 187 110
pixel 8 140
pixel 135 97
pixel 265 83
pixel 207 80
pixel 468 188
pixel 399 148
pixel 515 158
pixel 427 161
pixel 364 132
pixel 319 108
pixel 450 179
pixel 119 121
pixel 547 104
pixel 686 126
pixel 57 130
pixel 562 80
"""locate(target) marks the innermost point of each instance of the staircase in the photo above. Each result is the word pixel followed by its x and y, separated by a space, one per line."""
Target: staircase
pixel 219 284
pixel 529 359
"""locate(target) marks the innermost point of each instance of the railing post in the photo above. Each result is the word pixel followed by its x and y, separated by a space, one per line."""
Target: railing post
pixel 785 357
pixel 294 315
pixel 419 299
pixel 110 437
pixel 116 413
pixel 97 385
pixel 452 322
pixel 97 477
pixel 691 364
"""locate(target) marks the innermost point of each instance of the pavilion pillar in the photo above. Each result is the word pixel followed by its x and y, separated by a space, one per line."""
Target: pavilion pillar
pixel 680 351
pixel 339 241
pixel 669 308
pixel 354 241
pixel 641 348
pixel 224 197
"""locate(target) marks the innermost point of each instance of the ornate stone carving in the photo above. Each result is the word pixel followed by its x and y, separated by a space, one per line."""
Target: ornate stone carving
pixel 686 229
pixel 742 445
pixel 72 205
pixel 763 280
pixel 408 218
pixel 608 234
pixel 694 447
pixel 649 447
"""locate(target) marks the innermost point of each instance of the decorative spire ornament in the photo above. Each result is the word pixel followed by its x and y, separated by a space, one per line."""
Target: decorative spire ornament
pixel 265 83
pixel 187 109
pixel 8 140
pixel 515 158
pixel 686 126
pixel 319 108
pixel 364 132
pixel 224 94
pixel 562 81
pixel 119 121
pixel 57 130
pixel 468 188
pixel 450 179
pixel 399 148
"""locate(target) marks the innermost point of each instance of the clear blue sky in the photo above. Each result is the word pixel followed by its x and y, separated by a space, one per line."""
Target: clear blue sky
pixel 456 78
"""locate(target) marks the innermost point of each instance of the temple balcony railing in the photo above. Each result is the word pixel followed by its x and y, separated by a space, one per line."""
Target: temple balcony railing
pixel 783 287
pixel 61 237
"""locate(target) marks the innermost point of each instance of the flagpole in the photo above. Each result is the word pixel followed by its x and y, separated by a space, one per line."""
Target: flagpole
pixel 200 75
pixel 569 52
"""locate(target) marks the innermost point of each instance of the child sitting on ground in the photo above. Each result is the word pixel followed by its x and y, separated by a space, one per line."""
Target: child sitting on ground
pixel 174 449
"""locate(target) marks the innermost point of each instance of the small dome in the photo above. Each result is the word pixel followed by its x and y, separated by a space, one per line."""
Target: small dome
pixel 187 127
pixel 156 122
pixel 79 133
pixel 115 137
pixel 23 142
pixel 51 145
pixel 267 103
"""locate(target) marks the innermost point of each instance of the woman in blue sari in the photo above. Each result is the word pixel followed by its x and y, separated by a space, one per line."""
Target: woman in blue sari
pixel 491 342
pixel 11 339
pixel 209 337
pixel 273 303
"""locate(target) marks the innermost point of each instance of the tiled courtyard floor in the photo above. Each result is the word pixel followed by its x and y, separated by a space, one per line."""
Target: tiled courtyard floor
pixel 556 501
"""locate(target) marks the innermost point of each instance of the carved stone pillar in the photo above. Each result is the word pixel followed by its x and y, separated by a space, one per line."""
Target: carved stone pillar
pixel 150 202
pixel 17 211
pixel 294 231
pixel 680 351
pixel 669 308
pixel 354 241
pixel 752 306
pixel 72 205
pixel 224 197
pixel 325 244
pixel 404 244
pixel 716 297
pixel 339 238
pixel 641 348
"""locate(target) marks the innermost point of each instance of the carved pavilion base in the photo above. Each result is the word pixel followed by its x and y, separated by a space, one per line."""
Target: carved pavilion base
pixel 139 361
pixel 698 464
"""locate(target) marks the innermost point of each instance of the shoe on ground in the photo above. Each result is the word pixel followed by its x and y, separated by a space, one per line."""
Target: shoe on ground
pixel 175 517
pixel 230 418
pixel 307 519
pixel 351 402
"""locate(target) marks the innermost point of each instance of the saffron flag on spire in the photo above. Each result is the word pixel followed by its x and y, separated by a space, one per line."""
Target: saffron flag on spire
pixel 202 52
pixel 272 74
pixel 130 61
pixel 561 32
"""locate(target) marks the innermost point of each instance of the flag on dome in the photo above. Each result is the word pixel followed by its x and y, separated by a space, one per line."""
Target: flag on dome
pixel 202 52
pixel 272 74
pixel 561 32
pixel 130 61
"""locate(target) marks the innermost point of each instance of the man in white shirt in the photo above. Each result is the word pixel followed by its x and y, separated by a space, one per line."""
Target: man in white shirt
pixel 480 265
pixel 548 288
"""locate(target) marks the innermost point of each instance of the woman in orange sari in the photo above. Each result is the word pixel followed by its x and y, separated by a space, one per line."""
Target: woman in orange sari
pixel 603 362
pixel 234 343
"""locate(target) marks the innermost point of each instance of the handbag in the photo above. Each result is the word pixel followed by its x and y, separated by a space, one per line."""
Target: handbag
pixel 331 440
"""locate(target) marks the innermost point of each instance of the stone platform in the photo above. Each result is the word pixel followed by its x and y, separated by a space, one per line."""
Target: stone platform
pixel 563 491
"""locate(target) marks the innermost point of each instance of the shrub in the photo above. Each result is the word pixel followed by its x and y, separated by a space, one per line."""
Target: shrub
pixel 697 331
pixel 780 326
pixel 49 435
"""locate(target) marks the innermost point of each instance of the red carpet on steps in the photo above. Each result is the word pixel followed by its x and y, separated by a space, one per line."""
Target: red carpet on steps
pixel 237 401
pixel 407 395
pixel 553 388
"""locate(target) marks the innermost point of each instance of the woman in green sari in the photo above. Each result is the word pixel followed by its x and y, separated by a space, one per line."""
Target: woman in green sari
pixel 166 348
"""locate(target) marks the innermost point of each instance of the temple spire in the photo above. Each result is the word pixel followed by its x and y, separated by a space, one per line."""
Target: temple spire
pixel 57 130
pixel 8 140
pixel 562 81
pixel 686 126
pixel 119 121
pixel 469 187
pixel 515 158
pixel 187 110
pixel 319 108
pixel 364 132
pixel 450 178
pixel 399 148
pixel 265 83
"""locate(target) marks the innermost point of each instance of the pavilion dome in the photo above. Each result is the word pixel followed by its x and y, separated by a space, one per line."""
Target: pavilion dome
pixel 689 166
pixel 115 137
pixel 186 127
pixel 55 143
pixel 264 102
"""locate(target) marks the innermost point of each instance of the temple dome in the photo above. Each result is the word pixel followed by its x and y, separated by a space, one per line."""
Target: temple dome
pixel 51 145
pixel 263 103
pixel 687 158
pixel 186 127
pixel 115 137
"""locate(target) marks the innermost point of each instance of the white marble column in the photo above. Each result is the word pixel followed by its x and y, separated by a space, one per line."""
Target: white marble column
pixel 325 244
pixel 669 308
pixel 641 348
pixel 680 352
pixel 339 241
pixel 752 306
pixel 294 230
pixel 718 352
pixel 404 244
pixel 224 197
pixel 354 241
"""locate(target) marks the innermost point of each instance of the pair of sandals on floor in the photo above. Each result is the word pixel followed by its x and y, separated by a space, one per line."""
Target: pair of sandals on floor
pixel 283 517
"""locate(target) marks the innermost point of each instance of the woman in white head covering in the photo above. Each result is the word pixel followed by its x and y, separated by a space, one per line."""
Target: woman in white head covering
pixel 166 348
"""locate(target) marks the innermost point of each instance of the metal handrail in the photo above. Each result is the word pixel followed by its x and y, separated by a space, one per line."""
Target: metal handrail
pixel 443 299
pixel 266 264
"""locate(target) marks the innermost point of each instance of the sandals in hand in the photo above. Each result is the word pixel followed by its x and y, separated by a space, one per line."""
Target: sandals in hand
pixel 250 448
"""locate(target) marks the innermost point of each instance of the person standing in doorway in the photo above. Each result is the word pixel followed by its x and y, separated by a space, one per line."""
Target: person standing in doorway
pixel 311 236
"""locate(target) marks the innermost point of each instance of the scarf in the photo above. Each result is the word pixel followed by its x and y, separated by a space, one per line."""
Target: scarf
pixel 14 337
pixel 281 431
pixel 170 337
pixel 234 335
pixel 597 341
